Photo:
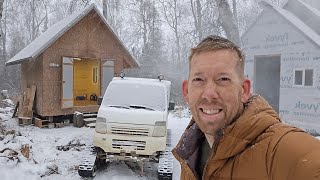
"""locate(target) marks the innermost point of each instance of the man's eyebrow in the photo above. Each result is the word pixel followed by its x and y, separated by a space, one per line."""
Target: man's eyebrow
pixel 197 73
pixel 223 73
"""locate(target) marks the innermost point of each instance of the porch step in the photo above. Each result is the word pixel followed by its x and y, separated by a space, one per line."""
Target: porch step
pixel 90 119
pixel 90 115
pixel 90 122
pixel 91 125
pixel 82 119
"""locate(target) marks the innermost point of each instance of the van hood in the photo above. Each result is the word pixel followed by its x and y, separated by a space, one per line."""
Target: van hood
pixel 131 116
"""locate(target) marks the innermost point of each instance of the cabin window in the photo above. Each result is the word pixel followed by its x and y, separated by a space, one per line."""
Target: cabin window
pixel 298 77
pixel 303 77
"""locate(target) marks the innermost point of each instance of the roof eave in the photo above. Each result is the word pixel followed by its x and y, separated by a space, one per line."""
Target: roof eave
pixel 17 61
pixel 54 38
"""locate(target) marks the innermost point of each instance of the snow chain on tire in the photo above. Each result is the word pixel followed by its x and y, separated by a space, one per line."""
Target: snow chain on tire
pixel 88 167
pixel 165 168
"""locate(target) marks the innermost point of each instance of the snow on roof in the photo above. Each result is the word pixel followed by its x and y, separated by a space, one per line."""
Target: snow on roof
pixel 311 34
pixel 312 9
pixel 38 45
pixel 306 30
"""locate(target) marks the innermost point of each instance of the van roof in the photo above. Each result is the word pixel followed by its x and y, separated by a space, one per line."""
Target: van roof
pixel 146 81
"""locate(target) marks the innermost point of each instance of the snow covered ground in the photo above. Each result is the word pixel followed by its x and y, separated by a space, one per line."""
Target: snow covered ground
pixel 47 162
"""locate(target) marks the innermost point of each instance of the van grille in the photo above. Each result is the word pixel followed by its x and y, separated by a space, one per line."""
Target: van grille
pixel 129 131
pixel 128 144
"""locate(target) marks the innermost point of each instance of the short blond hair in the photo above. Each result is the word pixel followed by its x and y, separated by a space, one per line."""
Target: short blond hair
pixel 215 43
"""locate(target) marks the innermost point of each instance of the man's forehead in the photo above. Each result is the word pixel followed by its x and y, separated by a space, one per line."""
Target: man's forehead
pixel 214 57
pixel 216 54
pixel 199 73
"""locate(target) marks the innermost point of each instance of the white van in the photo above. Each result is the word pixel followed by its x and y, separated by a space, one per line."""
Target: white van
pixel 132 119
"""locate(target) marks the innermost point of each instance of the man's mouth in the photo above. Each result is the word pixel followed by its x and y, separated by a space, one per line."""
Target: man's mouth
pixel 210 111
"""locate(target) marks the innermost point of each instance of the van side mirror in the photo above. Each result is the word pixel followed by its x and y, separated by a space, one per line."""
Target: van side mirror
pixel 171 106
pixel 100 100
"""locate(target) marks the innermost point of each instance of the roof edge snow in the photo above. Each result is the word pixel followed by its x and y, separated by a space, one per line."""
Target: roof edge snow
pixel 296 22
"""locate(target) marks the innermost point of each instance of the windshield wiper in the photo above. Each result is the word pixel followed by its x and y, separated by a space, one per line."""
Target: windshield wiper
pixel 119 106
pixel 141 107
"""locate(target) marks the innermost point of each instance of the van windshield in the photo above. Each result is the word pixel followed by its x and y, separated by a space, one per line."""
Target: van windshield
pixel 137 96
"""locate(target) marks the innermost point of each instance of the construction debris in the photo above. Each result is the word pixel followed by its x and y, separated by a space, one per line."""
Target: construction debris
pixel 51 169
pixel 25 150
pixel 74 144
pixel 9 153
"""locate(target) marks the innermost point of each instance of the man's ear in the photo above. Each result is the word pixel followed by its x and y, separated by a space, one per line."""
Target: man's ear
pixel 185 90
pixel 246 85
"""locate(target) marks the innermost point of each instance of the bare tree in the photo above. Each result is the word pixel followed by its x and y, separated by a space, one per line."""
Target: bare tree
pixel 34 27
pixel 235 10
pixel 227 21
pixel 149 35
pixel 76 4
pixel 46 18
pixel 3 30
pixel 111 11
pixel 1 8
pixel 196 9
pixel 247 12
pixel 3 38
pixel 172 12
pixel 33 17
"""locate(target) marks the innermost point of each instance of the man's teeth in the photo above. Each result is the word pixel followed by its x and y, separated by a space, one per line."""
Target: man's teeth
pixel 211 112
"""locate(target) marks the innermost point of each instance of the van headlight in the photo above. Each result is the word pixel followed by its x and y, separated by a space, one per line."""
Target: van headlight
pixel 160 129
pixel 101 125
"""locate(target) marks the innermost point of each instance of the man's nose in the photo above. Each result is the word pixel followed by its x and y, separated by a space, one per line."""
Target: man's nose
pixel 210 91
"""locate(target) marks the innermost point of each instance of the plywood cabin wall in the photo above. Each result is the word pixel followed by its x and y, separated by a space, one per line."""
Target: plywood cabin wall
pixel 32 74
pixel 89 38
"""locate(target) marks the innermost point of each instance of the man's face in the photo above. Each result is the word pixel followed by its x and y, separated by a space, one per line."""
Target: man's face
pixel 215 91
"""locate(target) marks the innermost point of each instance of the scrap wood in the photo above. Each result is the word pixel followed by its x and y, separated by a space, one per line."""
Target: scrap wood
pixel 12 154
pixel 25 150
pixel 70 146
pixel 13 151
pixel 77 146
pixel 15 110
pixel 51 169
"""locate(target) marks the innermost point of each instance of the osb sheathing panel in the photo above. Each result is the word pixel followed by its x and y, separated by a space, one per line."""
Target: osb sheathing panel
pixel 89 38
pixel 32 74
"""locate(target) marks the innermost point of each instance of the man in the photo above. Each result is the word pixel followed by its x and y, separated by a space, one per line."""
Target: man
pixel 233 134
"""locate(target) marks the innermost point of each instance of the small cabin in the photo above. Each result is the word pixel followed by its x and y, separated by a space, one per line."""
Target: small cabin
pixel 71 64
pixel 282 50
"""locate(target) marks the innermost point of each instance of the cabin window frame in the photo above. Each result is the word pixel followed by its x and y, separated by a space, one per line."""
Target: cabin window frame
pixel 303 76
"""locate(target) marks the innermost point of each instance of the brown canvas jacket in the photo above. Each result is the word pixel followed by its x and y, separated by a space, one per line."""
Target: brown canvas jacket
pixel 256 146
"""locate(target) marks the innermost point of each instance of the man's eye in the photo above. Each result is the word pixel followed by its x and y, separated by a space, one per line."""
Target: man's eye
pixel 197 79
pixel 224 79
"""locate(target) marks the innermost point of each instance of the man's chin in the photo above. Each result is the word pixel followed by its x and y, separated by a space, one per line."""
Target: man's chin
pixel 210 131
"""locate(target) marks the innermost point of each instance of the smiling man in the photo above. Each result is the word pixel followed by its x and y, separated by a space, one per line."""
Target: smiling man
pixel 233 134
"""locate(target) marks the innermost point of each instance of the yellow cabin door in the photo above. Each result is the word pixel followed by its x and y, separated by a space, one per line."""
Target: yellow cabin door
pixel 86 81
